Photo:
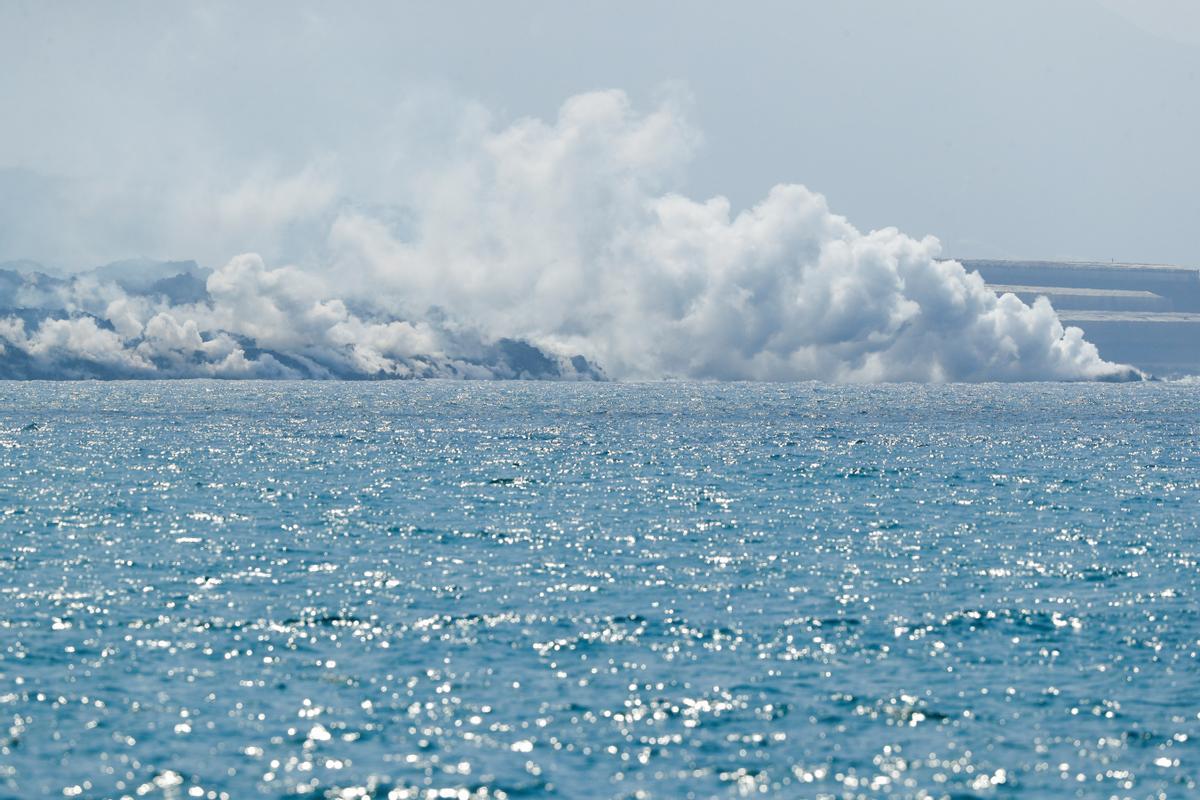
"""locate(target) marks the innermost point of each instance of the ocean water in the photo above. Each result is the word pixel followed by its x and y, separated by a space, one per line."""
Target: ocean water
pixel 465 590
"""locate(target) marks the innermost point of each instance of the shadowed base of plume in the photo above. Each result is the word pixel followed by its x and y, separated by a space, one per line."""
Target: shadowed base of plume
pixel 506 359
pixel 1126 375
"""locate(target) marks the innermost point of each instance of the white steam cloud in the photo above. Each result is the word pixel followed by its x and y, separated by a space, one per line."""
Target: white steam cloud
pixel 550 250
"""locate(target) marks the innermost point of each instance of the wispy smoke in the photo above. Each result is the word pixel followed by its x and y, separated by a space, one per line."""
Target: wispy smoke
pixel 547 249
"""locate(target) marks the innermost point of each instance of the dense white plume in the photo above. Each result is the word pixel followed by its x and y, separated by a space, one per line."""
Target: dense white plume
pixel 549 249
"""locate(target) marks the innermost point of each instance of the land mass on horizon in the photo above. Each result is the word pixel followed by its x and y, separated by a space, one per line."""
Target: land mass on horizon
pixel 1145 315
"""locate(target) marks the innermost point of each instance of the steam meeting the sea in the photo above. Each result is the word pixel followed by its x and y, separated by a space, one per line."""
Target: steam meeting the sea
pixel 535 400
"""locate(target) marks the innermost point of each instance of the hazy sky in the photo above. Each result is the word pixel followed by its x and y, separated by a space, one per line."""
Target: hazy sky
pixel 1018 129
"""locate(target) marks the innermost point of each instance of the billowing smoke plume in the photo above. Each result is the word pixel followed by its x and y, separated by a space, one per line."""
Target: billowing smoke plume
pixel 551 250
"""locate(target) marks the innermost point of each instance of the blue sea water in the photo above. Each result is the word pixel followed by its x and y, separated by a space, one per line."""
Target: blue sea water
pixel 467 590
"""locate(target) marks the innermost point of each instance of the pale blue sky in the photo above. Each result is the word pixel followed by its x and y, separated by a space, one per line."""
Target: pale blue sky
pixel 1020 129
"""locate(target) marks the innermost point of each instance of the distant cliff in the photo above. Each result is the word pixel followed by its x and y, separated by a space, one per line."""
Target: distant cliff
pixel 1147 315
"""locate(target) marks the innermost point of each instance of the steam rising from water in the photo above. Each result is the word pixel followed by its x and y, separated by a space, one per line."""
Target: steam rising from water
pixel 553 249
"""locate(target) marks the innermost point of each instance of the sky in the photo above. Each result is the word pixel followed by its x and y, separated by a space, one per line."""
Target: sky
pixel 1017 129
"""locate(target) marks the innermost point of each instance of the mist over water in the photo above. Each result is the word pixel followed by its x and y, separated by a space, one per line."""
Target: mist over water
pixel 547 249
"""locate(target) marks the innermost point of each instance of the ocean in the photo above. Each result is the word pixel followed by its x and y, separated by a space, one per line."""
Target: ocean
pixel 469 590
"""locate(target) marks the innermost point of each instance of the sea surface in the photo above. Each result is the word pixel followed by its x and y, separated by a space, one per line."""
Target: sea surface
pixel 469 590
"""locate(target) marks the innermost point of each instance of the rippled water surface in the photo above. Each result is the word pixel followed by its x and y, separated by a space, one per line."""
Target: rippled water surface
pixel 528 590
